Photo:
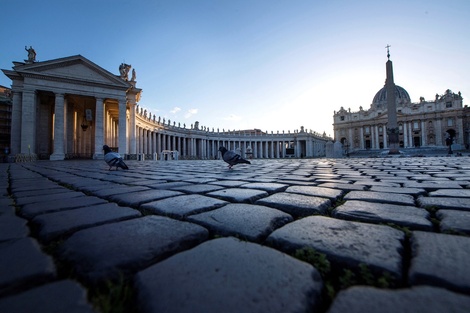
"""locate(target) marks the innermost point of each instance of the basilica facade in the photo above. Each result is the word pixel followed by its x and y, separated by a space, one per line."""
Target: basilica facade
pixel 423 124
pixel 70 107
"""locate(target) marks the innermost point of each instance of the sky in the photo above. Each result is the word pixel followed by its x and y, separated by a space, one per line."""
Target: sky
pixel 275 65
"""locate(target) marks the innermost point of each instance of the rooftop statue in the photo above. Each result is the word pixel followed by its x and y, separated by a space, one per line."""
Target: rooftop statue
pixel 133 75
pixel 124 71
pixel 31 54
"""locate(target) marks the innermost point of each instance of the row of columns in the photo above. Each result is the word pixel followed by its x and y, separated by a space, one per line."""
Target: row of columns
pixel 150 142
pixel 407 137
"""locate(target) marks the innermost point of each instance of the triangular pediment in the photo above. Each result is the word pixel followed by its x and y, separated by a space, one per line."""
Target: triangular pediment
pixel 75 69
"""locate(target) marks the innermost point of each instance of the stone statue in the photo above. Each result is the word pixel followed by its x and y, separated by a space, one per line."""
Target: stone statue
pixel 31 54
pixel 124 71
pixel 133 75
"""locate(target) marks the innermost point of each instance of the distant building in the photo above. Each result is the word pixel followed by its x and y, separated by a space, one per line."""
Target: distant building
pixel 5 121
pixel 426 123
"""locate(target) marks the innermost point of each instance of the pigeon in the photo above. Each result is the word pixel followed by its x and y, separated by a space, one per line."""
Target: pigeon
pixel 231 158
pixel 113 159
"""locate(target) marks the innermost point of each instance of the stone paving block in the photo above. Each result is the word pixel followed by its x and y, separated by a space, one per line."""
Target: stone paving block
pixel 454 193
pixel 295 204
pixel 377 213
pixel 197 188
pixel 23 264
pixel 332 194
pixel 454 221
pixel 168 185
pixel 238 194
pixel 202 180
pixel 268 187
pixel 245 221
pixel 380 197
pixel 445 203
pixel 33 209
pixel 66 194
pixel 107 251
pixel 228 275
pixel 62 296
pixel 334 181
pixel 134 199
pixel 56 224
pixel 440 260
pixel 40 192
pixel 402 190
pixel 376 183
pixel 181 206
pixel 111 189
pixel 229 183
pixel 32 184
pixel 12 227
pixel 345 244
pixel 433 185
pixel 423 299
pixel 344 187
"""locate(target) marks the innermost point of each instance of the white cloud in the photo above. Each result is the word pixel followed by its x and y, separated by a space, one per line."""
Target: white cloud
pixel 175 110
pixel 190 113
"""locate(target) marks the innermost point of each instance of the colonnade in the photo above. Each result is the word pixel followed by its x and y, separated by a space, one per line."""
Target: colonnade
pixel 198 144
pixel 150 137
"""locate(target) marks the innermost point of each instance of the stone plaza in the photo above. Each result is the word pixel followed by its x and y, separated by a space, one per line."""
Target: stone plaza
pixel 280 235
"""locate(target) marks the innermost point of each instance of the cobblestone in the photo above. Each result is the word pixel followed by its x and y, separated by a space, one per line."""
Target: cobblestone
pixel 278 235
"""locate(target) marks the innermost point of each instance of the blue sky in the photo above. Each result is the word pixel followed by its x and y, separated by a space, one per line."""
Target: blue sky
pixel 240 64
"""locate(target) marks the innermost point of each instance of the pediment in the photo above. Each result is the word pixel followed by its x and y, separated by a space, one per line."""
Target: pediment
pixel 75 69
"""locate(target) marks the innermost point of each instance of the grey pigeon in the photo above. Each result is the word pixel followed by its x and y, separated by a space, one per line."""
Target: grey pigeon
pixel 113 159
pixel 231 158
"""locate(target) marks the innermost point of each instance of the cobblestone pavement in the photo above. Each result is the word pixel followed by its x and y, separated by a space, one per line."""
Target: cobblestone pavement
pixel 310 235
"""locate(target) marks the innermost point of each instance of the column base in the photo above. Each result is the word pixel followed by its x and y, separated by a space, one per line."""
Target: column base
pixel 57 157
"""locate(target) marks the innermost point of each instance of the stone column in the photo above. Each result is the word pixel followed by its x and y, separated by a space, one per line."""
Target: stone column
pixel 15 138
pixel 59 132
pixel 28 122
pixel 144 141
pixel 423 135
pixel 439 133
pixel 99 129
pixel 122 126
pixel 376 133
pixel 159 143
pixel 384 132
pixel 405 135
pixel 132 130
pixel 69 127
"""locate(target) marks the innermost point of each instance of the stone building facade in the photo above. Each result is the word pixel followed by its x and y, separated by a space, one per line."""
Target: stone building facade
pixel 426 123
pixel 70 107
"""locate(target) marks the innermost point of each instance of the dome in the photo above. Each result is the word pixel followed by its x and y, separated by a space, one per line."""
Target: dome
pixel 380 99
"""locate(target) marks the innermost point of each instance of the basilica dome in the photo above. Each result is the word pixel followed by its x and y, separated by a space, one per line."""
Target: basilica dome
pixel 380 99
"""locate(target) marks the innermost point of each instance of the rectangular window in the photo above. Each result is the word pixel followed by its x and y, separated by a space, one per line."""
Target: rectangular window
pixel 450 122
pixel 342 118
pixel 415 125
pixel 448 104
pixel 367 130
